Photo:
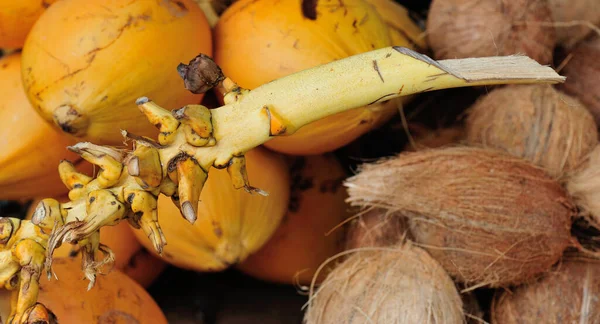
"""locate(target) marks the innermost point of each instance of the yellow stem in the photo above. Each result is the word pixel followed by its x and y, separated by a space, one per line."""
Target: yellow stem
pixel 301 98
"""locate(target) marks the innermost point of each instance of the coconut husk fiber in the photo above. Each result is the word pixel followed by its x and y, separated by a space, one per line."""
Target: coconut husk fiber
pixel 584 185
pixel 400 284
pixel 479 28
pixel 582 70
pixel 425 138
pixel 376 227
pixel 489 218
pixel 570 293
pixel 574 20
pixel 535 122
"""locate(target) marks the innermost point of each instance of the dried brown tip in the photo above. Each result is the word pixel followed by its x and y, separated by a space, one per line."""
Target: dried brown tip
pixel 92 267
pixel 201 75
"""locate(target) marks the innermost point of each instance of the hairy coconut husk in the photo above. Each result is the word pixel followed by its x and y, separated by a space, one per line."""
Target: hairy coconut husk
pixel 376 227
pixel 481 28
pixel 574 20
pixel 584 185
pixel 568 294
pixel 582 72
pixel 424 138
pixel 490 219
pixel 402 284
pixel 535 122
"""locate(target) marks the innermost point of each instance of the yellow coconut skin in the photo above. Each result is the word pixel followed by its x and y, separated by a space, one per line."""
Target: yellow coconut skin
pixel 31 147
pixel 310 232
pixel 115 298
pixel 259 41
pixel 16 19
pixel 231 223
pixel 403 30
pixel 85 65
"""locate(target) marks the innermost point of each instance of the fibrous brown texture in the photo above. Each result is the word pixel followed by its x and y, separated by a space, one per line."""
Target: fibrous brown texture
pixel 582 72
pixel 535 122
pixel 376 227
pixel 489 218
pixel 480 28
pixel 584 185
pixel 424 138
pixel 574 19
pixel 402 284
pixel 568 294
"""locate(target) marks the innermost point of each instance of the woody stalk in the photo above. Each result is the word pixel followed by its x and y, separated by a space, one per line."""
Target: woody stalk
pixel 193 139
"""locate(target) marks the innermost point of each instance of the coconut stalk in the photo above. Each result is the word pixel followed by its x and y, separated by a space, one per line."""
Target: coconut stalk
pixel 193 139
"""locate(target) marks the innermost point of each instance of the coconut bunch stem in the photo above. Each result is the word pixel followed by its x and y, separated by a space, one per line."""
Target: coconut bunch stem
pixel 194 138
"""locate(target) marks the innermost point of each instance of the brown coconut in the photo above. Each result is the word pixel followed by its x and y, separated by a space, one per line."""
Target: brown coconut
pixel 584 185
pixel 568 294
pixel 376 227
pixel 574 20
pixel 490 219
pixel 424 138
pixel 535 122
pixel 397 285
pixel 582 72
pixel 481 28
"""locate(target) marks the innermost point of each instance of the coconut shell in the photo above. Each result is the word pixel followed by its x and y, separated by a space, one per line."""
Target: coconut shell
pixel 376 227
pixel 481 28
pixel 584 185
pixel 582 72
pixel 568 294
pixel 535 122
pixel 489 218
pixel 388 285
pixel 573 19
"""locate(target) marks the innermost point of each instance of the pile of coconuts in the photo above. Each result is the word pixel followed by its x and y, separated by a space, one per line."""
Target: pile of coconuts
pixel 506 200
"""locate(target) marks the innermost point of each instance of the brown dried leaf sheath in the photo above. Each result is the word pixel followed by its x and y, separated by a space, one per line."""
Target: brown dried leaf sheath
pixel 535 122
pixel 488 218
pixel 402 284
pixel 568 294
